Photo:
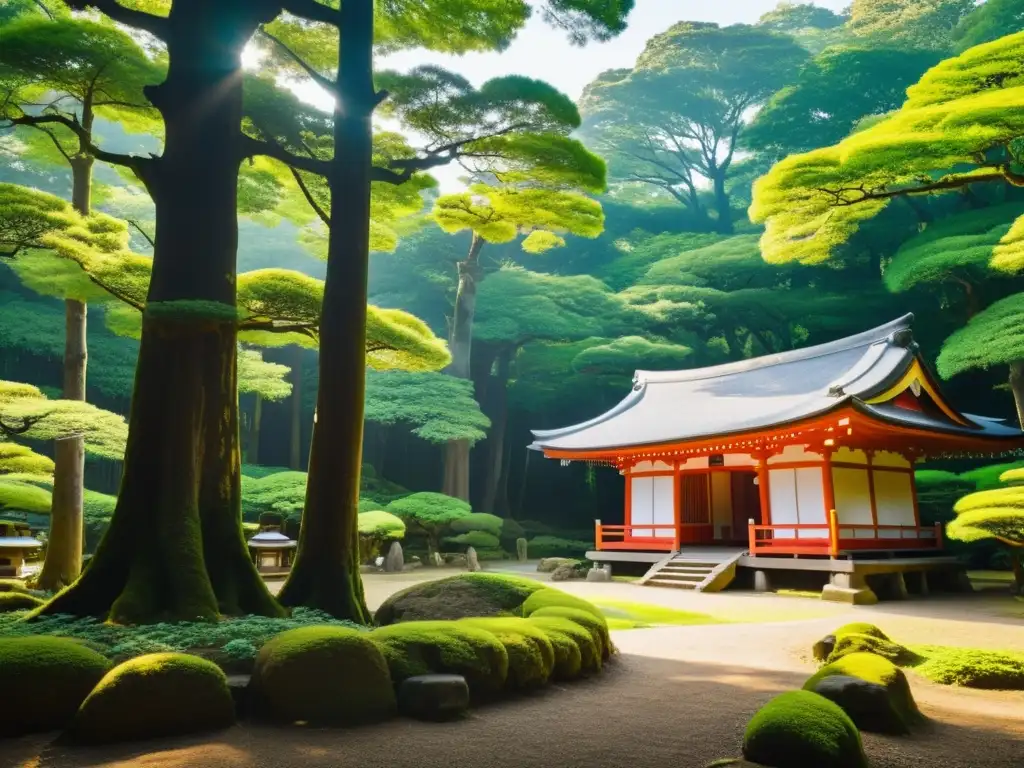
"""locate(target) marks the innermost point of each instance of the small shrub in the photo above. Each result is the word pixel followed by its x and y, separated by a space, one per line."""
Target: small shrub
pixel 875 669
pixel 161 694
pixel 589 648
pixel 50 678
pixel 596 626
pixel 240 650
pixel 531 655
pixel 553 546
pixel 975 669
pixel 18 601
pixel 479 540
pixel 423 647
pixel 800 728
pixel 479 522
pixel 458 597
pixel 326 675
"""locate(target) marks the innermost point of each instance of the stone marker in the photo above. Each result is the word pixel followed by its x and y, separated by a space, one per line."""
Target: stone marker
pixel 521 550
pixel 239 687
pixel 435 559
pixel 472 561
pixel 433 697
pixel 824 647
pixel 598 573
pixel 395 561
pixel 761 582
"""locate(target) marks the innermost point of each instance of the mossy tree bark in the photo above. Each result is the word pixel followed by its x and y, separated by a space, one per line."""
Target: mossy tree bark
pixel 496 464
pixel 174 549
pixel 295 445
pixel 456 456
pixel 1017 388
pixel 325 574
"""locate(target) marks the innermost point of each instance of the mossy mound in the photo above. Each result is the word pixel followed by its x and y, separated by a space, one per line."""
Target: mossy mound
pixel 589 648
pixel 50 678
pixel 975 669
pixel 568 656
pixel 549 598
pixel 18 601
pixel 159 694
pixel 875 669
pixel 458 597
pixel 12 585
pixel 861 628
pixel 800 729
pixel 415 648
pixel 597 626
pixel 531 656
pixel 887 649
pixel 323 675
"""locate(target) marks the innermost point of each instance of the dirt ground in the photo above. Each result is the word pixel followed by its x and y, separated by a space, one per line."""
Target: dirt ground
pixel 675 696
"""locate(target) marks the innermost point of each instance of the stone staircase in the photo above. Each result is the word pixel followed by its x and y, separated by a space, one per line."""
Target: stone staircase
pixel 704 570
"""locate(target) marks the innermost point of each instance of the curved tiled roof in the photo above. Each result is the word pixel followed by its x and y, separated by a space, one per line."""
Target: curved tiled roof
pixel 761 393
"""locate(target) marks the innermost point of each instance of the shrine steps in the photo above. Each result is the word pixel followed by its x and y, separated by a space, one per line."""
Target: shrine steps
pixel 706 570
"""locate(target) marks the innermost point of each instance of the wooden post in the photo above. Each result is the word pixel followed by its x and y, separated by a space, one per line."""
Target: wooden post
pixel 751 535
pixel 762 487
pixel 938 535
pixel 833 533
pixel 677 506
pixel 597 534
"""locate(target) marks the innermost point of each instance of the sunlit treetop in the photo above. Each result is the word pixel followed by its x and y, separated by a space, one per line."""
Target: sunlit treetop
pixel 992 514
pixel 22 461
pixel 438 407
pixel 792 17
pixel 993 337
pixel 989 21
pixel 261 377
pixel 920 23
pixel 628 353
pixel 25 412
pixel 967 111
pixel 954 249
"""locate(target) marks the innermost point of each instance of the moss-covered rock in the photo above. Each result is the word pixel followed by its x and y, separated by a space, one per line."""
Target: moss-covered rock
pixel 159 694
pixel 587 649
pixel 18 601
pixel 458 597
pixel 531 655
pixel 550 597
pixel 861 628
pixel 596 625
pixel 50 678
pixel 867 704
pixel 887 649
pixel 415 648
pixel 875 669
pixel 324 675
pixel 800 729
pixel 975 669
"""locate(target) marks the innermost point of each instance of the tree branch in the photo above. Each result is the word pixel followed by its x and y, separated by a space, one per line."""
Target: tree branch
pixel 252 147
pixel 155 25
pixel 317 208
pixel 1003 173
pixel 324 82
pixel 142 232
pixel 134 162
pixel 312 11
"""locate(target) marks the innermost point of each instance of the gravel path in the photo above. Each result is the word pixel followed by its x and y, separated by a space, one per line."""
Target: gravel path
pixel 677 697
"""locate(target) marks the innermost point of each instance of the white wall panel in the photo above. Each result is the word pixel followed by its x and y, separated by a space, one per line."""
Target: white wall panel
pixel 642 504
pixel 782 492
pixel 853 501
pixel 810 496
pixel 894 500
pixel 663 506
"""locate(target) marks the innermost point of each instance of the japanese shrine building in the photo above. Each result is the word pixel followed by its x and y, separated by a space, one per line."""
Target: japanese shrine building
pixel 804 453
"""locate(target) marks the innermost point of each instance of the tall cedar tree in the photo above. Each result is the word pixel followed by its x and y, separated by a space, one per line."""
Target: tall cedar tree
pixel 83 69
pixel 498 214
pixel 502 121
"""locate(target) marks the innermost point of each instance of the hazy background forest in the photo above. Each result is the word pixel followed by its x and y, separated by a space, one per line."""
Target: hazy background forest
pixel 676 279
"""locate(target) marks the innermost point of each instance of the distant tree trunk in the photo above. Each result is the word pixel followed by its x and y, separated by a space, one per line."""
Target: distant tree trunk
pixel 456 458
pixel 722 206
pixel 63 561
pixel 295 444
pixel 1017 563
pixel 326 570
pixel 499 422
pixel 174 550
pixel 253 452
pixel 1017 387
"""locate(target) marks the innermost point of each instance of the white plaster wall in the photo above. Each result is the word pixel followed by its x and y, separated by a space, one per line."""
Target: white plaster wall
pixel 853 501
pixel 642 504
pixel 793 453
pixel 782 493
pixel 651 466
pixel 894 500
pixel 739 460
pixel 663 506
pixel 721 501
pixel 810 496
pixel 698 462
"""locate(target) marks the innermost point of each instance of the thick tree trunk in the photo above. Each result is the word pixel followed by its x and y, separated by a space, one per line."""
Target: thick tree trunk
pixel 253 450
pixel 295 453
pixel 1017 387
pixel 723 206
pixel 496 439
pixel 1017 563
pixel 174 550
pixel 326 570
pixel 456 456
pixel 63 561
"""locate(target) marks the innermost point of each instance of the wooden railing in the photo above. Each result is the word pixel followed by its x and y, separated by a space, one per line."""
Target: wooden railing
pixel 666 537
pixel 832 537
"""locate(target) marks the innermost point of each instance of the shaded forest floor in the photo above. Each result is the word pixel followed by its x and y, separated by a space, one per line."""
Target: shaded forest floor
pixel 677 696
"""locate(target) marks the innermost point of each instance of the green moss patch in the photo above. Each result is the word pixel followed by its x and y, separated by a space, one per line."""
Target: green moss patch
pixel 588 648
pixel 49 678
pixel 18 601
pixel 975 669
pixel 622 614
pixel 160 694
pixel 887 649
pixel 878 670
pixel 596 625
pixel 550 597
pixel 458 597
pixel 531 655
pixel 423 647
pixel 800 728
pixel 324 675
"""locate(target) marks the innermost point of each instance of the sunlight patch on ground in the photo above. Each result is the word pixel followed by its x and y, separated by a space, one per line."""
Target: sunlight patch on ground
pixel 622 614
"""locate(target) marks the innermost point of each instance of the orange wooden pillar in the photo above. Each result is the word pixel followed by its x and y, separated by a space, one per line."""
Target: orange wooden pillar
pixel 762 487
pixel 829 493
pixel 677 506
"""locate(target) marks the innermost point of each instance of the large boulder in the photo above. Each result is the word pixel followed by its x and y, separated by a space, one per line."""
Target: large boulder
pixel 597 573
pixel 458 597
pixel 433 697
pixel 801 729
pixel 867 704
pixel 902 713
pixel 549 564
pixel 323 675
pixel 49 678
pixel 565 572
pixel 156 695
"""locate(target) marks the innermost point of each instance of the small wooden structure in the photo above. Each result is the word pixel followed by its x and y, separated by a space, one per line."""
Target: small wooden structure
pixel 272 551
pixel 808 453
pixel 16 545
